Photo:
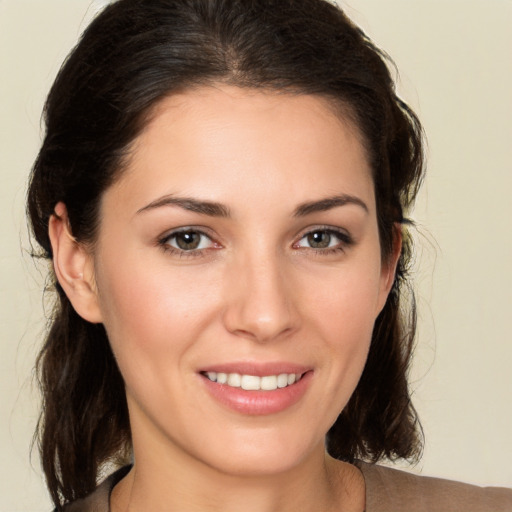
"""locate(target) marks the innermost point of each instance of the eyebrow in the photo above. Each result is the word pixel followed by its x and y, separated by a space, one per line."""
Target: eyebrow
pixel 329 203
pixel 209 208
pixel 214 209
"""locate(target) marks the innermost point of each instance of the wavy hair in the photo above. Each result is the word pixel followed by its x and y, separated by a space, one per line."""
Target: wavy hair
pixel 135 53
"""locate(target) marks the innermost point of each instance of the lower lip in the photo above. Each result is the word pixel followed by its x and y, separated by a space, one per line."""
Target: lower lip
pixel 259 402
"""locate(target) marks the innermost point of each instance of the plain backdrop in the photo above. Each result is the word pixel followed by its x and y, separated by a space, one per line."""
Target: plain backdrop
pixel 455 67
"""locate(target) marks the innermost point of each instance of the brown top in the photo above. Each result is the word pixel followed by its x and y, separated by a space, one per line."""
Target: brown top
pixel 391 490
pixel 387 490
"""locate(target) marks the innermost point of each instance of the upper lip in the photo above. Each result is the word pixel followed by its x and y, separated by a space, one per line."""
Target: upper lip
pixel 256 369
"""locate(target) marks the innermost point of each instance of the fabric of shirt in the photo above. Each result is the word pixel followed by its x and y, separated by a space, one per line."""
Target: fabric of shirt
pixel 387 490
pixel 391 490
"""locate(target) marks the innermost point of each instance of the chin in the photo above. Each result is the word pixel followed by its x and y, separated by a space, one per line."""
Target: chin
pixel 261 453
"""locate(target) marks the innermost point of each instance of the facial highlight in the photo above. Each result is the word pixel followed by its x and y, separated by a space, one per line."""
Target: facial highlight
pixel 239 276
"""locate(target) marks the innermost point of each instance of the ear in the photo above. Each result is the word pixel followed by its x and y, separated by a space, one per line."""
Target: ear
pixel 388 268
pixel 73 266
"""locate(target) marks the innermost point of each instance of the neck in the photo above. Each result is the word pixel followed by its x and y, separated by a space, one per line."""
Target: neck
pixel 163 484
pixel 175 475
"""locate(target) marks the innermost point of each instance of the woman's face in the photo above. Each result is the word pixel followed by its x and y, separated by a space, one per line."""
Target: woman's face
pixel 240 245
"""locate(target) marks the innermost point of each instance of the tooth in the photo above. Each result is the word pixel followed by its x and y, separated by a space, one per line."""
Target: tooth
pixel 269 383
pixel 253 382
pixel 234 380
pixel 250 382
pixel 282 380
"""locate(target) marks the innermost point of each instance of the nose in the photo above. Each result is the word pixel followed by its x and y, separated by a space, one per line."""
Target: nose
pixel 260 305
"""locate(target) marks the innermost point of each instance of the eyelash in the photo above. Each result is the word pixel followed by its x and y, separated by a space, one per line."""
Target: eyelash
pixel 194 253
pixel 344 241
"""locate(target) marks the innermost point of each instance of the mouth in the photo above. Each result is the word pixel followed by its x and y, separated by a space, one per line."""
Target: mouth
pixel 254 382
pixel 253 389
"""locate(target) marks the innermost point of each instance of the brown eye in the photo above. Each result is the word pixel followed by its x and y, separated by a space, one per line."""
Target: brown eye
pixel 325 240
pixel 188 240
pixel 319 239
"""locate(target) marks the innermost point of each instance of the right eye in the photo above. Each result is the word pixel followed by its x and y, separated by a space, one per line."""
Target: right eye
pixel 325 240
pixel 187 241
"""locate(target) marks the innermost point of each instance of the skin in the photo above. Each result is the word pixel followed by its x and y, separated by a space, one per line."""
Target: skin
pixel 256 290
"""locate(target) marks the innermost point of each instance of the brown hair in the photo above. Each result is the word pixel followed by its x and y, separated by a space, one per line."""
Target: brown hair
pixel 132 55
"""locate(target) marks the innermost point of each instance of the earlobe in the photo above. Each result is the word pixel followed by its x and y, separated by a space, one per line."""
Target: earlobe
pixel 73 266
pixel 388 270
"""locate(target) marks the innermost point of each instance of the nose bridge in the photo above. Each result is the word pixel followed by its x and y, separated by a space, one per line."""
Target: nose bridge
pixel 259 304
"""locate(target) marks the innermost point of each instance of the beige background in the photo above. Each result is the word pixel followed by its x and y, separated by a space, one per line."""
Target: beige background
pixel 455 67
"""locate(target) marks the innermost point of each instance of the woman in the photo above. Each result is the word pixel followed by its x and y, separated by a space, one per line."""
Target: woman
pixel 222 190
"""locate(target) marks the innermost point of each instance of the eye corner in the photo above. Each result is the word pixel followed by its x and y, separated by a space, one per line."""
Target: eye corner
pixel 194 242
pixel 328 234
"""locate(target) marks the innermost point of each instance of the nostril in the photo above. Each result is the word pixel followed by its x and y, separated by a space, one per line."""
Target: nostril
pixel 258 306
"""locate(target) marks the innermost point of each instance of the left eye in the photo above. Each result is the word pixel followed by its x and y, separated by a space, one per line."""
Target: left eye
pixel 189 240
pixel 321 239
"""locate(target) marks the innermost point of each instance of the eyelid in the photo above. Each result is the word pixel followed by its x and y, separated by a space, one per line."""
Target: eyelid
pixel 344 237
pixel 323 227
pixel 163 241
pixel 345 240
pixel 184 229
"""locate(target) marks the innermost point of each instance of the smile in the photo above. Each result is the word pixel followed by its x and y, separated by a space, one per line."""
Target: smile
pixel 253 382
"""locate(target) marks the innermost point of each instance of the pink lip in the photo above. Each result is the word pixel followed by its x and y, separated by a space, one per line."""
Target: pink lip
pixel 258 402
pixel 256 369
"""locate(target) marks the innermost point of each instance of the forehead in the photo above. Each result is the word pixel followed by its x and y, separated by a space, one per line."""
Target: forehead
pixel 212 141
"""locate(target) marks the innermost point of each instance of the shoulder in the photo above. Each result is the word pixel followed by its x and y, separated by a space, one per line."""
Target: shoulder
pixel 391 490
pixel 99 499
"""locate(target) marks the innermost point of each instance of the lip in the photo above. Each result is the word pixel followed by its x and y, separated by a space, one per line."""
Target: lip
pixel 257 402
pixel 256 369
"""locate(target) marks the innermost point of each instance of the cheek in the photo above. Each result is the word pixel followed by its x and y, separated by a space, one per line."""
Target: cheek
pixel 345 303
pixel 342 315
pixel 150 312
pixel 346 319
